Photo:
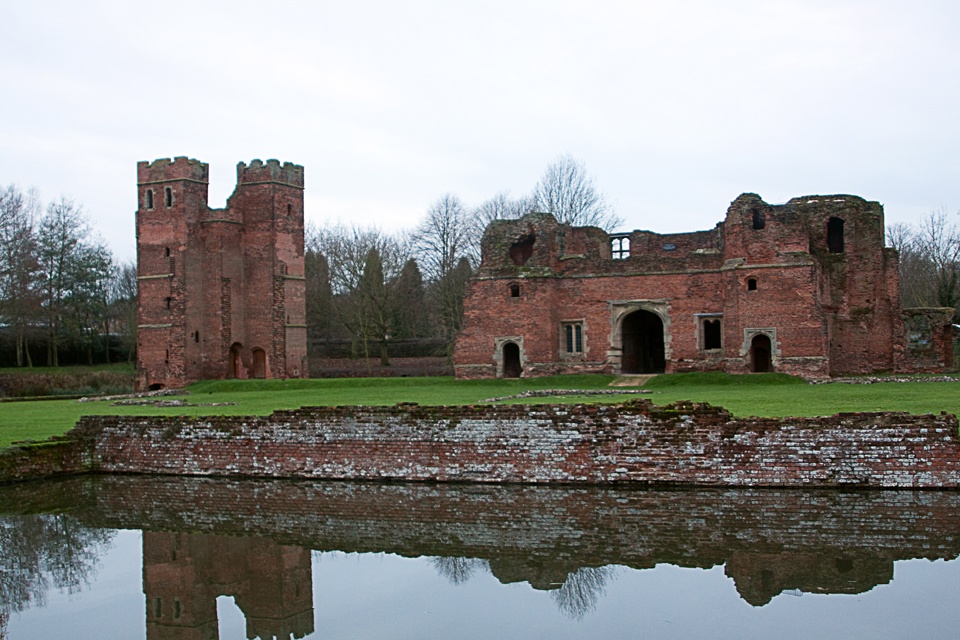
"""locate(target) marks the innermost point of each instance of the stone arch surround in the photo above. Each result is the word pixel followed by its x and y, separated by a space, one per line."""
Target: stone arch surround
pixel 619 310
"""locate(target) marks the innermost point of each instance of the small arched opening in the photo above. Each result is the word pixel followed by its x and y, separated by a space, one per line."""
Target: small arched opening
pixel 259 363
pixel 643 344
pixel 511 360
pixel 760 354
pixel 234 362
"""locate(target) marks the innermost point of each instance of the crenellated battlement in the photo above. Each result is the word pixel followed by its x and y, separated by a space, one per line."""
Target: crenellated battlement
pixel 180 168
pixel 270 171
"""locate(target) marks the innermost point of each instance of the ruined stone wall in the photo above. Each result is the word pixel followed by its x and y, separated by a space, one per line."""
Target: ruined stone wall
pixel 217 281
pixel 811 278
pixel 636 443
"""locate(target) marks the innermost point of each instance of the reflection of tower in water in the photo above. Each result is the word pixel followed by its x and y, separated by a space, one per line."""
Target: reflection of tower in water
pixel 183 574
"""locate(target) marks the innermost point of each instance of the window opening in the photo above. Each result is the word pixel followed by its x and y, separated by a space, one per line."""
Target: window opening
pixel 573 334
pixel 620 247
pixel 149 196
pixel 514 291
pixel 166 252
pixel 712 334
pixel 168 196
pixel 751 284
pixel 759 220
pixel 167 302
pixel 289 210
pixel 522 250
pixel 196 336
pixel 835 235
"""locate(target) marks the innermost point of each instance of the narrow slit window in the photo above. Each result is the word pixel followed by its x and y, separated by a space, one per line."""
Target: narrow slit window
pixel 514 291
pixel 759 220
pixel 149 199
pixel 168 196
pixel 835 235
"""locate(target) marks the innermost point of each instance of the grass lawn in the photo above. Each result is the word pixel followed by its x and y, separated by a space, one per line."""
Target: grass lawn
pixel 763 395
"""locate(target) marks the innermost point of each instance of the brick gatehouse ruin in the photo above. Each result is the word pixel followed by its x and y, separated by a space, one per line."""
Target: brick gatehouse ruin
pixel 221 290
pixel 805 288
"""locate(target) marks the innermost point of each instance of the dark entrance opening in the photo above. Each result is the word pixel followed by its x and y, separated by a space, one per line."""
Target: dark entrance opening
pixel 234 363
pixel 642 340
pixel 511 360
pixel 760 354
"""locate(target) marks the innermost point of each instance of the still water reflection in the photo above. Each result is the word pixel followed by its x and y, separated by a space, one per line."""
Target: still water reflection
pixel 198 559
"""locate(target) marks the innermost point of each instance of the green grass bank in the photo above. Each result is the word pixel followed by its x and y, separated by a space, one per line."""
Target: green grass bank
pixel 761 395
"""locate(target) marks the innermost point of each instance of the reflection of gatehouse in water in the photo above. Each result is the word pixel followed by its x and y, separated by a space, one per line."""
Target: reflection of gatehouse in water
pixel 257 536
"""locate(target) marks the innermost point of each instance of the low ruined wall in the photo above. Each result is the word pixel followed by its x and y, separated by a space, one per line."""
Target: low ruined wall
pixel 635 443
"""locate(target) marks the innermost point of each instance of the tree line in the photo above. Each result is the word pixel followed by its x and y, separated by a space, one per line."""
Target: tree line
pixel 372 288
pixel 60 287
pixel 929 261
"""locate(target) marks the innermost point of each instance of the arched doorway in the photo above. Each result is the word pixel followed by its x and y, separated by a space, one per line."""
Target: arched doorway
pixel 511 360
pixel 760 350
pixel 259 363
pixel 234 362
pixel 642 342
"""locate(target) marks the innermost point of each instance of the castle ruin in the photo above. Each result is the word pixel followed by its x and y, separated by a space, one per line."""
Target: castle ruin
pixel 221 291
pixel 805 288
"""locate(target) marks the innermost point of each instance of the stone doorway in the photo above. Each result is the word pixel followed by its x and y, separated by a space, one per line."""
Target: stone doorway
pixel 643 344
pixel 234 361
pixel 511 360
pixel 760 354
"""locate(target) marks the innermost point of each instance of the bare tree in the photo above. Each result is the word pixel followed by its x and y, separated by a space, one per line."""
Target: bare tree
pixel 447 244
pixel 582 589
pixel 123 306
pixel 19 265
pixel 939 240
pixel 502 207
pixel 445 235
pixel 347 251
pixel 458 570
pixel 929 261
pixel 566 191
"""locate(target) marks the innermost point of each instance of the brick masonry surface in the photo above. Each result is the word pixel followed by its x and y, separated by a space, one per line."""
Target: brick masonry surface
pixel 821 541
pixel 806 288
pixel 221 291
pixel 637 442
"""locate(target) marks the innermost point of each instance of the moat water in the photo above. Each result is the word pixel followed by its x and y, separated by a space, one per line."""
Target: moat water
pixel 198 559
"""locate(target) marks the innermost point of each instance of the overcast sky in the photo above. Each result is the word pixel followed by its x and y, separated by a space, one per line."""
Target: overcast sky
pixel 675 107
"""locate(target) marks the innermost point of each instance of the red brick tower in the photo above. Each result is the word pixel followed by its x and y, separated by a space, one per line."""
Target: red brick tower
pixel 221 290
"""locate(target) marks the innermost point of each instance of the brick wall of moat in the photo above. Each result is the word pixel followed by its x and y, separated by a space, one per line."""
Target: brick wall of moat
pixel 636 442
